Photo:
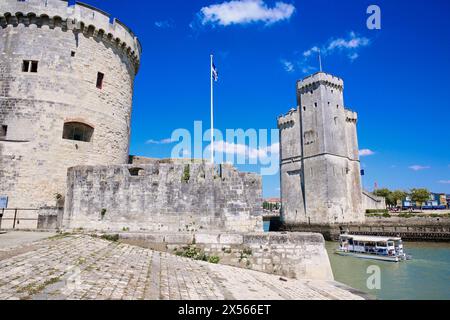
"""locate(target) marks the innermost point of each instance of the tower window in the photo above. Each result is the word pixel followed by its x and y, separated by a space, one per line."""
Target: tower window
pixel 315 104
pixel 30 66
pixel 135 172
pixel 77 131
pixel 100 77
pixel 72 54
pixel 3 131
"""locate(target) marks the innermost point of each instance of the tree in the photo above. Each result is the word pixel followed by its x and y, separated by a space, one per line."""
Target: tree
pixel 398 195
pixel 420 196
pixel 385 193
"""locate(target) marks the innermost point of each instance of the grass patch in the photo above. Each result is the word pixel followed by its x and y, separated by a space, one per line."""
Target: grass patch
pixel 60 236
pixel 33 288
pixel 194 253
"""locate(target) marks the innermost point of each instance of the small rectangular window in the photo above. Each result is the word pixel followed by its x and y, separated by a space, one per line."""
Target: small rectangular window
pixel 72 54
pixel 3 131
pixel 34 66
pixel 25 66
pixel 30 66
pixel 100 77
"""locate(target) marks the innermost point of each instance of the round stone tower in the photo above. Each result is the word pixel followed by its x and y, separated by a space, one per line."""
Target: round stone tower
pixel 66 87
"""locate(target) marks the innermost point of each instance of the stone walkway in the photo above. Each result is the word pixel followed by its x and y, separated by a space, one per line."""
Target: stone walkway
pixel 16 238
pixel 82 267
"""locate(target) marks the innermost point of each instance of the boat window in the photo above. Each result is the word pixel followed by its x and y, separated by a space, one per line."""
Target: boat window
pixel 390 244
pixel 350 241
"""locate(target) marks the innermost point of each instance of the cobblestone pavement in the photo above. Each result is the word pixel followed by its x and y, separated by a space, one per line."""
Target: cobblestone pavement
pixel 82 267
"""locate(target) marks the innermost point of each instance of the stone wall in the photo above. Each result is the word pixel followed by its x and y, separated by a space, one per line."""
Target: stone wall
pixel 71 45
pixel 163 196
pixel 50 218
pixel 292 255
pixel 371 201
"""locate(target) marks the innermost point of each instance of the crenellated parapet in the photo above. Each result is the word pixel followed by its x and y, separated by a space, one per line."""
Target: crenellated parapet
pixel 80 17
pixel 313 81
pixel 351 116
pixel 287 120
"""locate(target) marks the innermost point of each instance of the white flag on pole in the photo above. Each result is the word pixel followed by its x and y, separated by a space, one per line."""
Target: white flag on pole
pixel 215 73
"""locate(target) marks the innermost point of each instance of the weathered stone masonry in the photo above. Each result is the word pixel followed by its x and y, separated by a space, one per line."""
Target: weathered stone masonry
pixel 71 47
pixel 319 166
pixel 292 255
pixel 169 196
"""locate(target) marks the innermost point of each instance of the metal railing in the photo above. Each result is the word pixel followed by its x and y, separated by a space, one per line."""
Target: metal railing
pixel 18 218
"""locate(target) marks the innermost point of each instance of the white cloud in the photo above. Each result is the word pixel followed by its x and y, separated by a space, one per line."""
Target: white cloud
pixel 353 56
pixel 350 46
pixel 352 42
pixel 419 167
pixel 366 153
pixel 288 65
pixel 245 12
pixel 308 69
pixel 165 24
pixel 309 52
pixel 244 150
pixel 164 141
pixel 444 181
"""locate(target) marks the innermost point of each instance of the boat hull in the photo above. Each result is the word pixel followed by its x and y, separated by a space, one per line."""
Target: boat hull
pixel 369 256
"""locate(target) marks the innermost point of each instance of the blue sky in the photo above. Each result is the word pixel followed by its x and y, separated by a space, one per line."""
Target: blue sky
pixel 396 78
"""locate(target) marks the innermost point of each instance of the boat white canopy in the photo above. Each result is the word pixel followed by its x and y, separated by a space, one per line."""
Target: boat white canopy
pixel 370 238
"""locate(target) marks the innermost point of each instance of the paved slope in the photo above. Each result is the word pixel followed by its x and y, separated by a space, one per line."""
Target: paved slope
pixel 83 267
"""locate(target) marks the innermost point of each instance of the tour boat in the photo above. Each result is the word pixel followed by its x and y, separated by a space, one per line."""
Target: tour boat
pixel 369 247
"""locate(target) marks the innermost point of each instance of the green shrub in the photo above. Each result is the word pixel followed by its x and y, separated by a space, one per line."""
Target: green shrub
pixel 186 174
pixel 214 260
pixel 380 211
pixel 110 237
pixel 194 253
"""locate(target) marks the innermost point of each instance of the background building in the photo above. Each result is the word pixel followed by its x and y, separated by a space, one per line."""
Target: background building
pixel 437 201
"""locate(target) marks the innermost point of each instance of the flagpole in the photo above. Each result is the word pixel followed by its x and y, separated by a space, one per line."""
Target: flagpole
pixel 320 61
pixel 212 111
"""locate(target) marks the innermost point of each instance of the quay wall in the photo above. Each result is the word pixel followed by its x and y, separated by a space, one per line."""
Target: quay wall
pixel 291 255
pixel 412 229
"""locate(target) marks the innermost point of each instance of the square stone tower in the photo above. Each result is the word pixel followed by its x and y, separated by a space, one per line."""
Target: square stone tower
pixel 319 156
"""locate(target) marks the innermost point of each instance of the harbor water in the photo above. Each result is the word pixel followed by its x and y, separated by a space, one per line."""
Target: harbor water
pixel 425 277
